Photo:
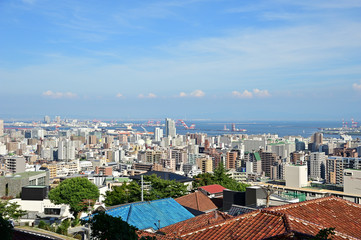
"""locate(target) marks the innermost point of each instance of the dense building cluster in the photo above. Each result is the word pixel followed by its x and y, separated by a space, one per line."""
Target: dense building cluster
pixel 35 156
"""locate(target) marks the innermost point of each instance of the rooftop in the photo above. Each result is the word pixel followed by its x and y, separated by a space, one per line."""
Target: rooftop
pixel 212 189
pixel 25 174
pixel 196 201
pixel 154 214
pixel 299 220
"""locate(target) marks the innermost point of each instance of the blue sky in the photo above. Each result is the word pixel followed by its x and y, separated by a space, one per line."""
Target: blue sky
pixel 195 59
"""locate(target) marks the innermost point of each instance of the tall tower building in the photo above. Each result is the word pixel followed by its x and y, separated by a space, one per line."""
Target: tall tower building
pixel 57 119
pixel 317 141
pixel 231 160
pixel 66 150
pixel 317 165
pixel 46 119
pixel 1 127
pixel 170 129
pixel 158 134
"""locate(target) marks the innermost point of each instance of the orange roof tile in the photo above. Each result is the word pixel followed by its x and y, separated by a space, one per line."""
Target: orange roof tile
pixel 302 219
pixel 326 212
pixel 193 224
pixel 197 201
pixel 255 225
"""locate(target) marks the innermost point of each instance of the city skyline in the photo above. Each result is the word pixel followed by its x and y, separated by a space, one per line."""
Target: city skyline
pixel 249 60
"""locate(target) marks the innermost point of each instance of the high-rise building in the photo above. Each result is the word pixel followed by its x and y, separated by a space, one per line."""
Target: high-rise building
pixel 268 160
pixel 15 164
pixel 170 130
pixel 57 119
pixel 1 127
pixel 46 119
pixel 158 134
pixel 66 150
pixel 316 142
pixel 318 165
pixel 336 165
pixel 205 164
pixel 231 160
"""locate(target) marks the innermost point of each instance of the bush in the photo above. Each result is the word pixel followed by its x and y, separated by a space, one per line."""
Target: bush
pixel 78 236
pixel 75 222
pixel 43 225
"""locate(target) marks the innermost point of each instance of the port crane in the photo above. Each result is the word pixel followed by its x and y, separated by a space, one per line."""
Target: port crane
pixel 185 125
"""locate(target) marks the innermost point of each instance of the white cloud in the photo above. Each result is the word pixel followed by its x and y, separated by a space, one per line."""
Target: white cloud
pixel 119 95
pixel 150 95
pixel 198 93
pixel 357 86
pixel 245 94
pixel 58 95
pixel 255 93
pixel 182 94
pixel 261 93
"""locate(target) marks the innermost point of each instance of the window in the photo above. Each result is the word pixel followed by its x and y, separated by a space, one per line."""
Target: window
pixel 52 211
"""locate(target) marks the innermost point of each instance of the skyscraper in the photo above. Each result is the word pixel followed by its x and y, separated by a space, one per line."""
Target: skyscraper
pixel 170 129
pixel 46 119
pixel 158 134
pixel 317 165
pixel 66 150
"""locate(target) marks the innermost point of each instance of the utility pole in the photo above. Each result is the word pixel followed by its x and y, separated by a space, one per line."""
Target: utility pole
pixel 141 179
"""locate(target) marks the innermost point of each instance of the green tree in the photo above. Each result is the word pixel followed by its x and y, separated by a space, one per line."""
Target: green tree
pixel 126 193
pixel 164 188
pixel 104 227
pixel 220 177
pixel 131 192
pixel 74 191
pixel 10 210
pixel 5 229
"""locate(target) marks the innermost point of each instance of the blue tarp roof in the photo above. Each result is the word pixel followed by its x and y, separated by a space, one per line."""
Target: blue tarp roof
pixel 151 214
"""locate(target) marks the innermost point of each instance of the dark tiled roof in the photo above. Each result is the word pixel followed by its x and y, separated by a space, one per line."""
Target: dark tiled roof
pixel 197 201
pixel 212 189
pixel 239 210
pixel 195 223
pixel 165 176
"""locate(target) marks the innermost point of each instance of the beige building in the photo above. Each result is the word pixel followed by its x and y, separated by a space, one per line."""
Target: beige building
pixel 296 176
pixel 205 164
pixel 352 181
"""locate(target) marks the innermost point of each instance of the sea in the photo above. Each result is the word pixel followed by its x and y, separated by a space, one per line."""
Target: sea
pixel 214 128
pixel 281 128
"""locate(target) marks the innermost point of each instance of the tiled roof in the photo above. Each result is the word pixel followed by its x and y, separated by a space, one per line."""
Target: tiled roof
pixel 195 223
pixel 212 189
pixel 162 212
pixel 197 201
pixel 327 212
pixel 156 235
pixel 303 219
pixel 239 210
pixel 255 225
